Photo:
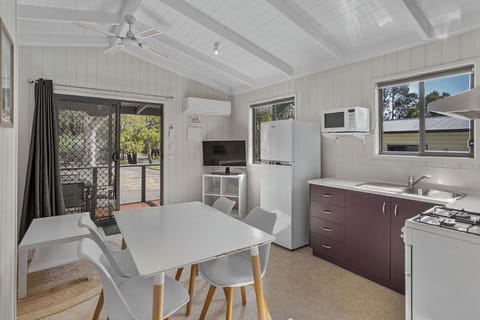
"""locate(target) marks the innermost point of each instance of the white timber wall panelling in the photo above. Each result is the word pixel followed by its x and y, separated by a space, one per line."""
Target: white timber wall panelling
pixel 354 84
pixel 89 67
pixel 8 185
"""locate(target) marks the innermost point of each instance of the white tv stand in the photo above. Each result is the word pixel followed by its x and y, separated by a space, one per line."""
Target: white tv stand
pixel 232 186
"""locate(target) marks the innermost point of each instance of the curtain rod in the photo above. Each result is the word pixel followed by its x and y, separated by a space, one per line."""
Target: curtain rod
pixel 106 90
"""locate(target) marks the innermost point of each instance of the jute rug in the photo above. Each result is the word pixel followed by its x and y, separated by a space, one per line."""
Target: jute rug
pixel 58 289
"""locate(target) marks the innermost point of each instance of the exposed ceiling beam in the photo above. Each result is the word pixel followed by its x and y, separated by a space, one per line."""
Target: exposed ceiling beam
pixel 177 68
pixel 129 8
pixel 423 26
pixel 28 12
pixel 206 21
pixel 304 22
pixel 206 60
pixel 61 40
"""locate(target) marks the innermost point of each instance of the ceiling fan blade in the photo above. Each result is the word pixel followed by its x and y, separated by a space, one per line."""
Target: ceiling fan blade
pixel 92 28
pixel 155 50
pixel 148 33
pixel 113 49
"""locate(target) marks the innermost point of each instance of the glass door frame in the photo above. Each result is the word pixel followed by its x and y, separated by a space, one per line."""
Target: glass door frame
pixel 114 154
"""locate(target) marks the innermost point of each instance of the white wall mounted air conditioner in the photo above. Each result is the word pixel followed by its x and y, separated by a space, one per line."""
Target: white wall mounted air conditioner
pixel 193 105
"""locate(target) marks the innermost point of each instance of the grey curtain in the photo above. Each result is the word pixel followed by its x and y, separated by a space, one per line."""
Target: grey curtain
pixel 43 195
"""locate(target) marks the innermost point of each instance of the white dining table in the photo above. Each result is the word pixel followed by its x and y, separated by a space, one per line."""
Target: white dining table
pixel 54 240
pixel 171 236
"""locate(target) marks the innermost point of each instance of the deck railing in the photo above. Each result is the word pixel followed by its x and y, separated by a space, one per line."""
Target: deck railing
pixel 98 183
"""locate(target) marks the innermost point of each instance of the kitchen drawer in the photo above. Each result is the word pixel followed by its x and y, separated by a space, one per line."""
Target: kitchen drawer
pixel 328 195
pixel 327 211
pixel 324 246
pixel 328 229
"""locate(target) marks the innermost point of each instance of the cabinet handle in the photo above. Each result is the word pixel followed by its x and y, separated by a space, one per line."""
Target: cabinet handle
pixel 384 207
pixel 326 246
pixel 326 229
pixel 395 210
pixel 327 211
pixel 327 195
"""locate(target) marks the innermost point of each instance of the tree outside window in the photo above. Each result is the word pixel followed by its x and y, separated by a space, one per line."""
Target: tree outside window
pixel 409 127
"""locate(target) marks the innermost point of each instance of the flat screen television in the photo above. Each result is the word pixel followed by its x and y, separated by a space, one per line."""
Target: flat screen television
pixel 224 153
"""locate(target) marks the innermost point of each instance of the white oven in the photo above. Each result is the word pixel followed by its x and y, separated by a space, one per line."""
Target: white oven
pixel 442 266
pixel 352 119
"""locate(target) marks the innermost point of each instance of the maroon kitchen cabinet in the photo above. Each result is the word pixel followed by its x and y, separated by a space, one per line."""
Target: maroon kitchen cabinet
pixel 402 210
pixel 327 231
pixel 362 232
pixel 367 235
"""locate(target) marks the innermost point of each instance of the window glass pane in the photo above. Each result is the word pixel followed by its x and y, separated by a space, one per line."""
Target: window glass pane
pixel 260 114
pixel 284 111
pixel 269 112
pixel 400 105
pixel 443 133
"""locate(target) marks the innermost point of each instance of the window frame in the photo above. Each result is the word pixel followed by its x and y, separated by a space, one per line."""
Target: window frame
pixel 269 103
pixel 421 78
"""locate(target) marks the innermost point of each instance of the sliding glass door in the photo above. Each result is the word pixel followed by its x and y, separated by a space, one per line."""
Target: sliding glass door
pixel 110 155
pixel 88 151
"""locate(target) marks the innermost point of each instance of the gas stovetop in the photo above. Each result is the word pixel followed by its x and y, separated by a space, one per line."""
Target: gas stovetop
pixel 459 220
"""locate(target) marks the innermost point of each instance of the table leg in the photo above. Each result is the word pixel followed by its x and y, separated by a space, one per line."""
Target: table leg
pixel 191 287
pixel 262 309
pixel 158 287
pixel 22 273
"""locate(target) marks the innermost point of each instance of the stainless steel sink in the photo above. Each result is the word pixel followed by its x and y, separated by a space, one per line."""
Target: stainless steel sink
pixel 437 193
pixel 426 192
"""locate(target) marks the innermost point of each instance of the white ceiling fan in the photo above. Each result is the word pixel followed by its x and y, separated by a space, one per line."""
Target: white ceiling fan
pixel 130 39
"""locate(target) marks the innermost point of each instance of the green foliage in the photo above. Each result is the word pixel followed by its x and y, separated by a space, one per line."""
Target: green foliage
pixel 433 96
pixel 399 103
pixel 139 134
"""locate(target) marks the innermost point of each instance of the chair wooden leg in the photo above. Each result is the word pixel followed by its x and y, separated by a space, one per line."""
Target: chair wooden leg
pixel 257 276
pixel 208 300
pixel 244 295
pixel 267 311
pixel 178 275
pixel 124 244
pixel 229 292
pixel 191 287
pixel 98 308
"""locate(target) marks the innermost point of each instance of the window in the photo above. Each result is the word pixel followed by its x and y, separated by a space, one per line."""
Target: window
pixel 406 124
pixel 274 110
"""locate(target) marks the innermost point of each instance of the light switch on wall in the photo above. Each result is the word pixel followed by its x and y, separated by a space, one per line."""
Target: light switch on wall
pixel 171 142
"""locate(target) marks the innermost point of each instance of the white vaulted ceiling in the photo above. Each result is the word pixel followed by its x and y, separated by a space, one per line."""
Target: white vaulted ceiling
pixel 261 42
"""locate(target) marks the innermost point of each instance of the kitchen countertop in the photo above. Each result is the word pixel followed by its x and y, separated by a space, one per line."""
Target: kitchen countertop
pixel 468 202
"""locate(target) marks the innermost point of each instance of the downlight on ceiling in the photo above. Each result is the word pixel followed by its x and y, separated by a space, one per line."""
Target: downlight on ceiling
pixel 215 48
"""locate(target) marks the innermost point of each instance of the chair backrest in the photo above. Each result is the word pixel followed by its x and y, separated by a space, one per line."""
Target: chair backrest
pixel 115 304
pixel 223 204
pixel 86 222
pixel 265 221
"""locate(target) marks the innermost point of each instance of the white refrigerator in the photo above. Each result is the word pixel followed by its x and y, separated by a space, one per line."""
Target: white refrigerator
pixel 290 156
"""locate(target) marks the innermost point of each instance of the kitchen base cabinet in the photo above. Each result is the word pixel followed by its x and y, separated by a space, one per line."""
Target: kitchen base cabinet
pixel 367 234
pixel 362 232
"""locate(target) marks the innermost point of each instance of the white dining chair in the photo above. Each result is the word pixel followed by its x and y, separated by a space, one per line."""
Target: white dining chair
pixel 130 298
pixel 223 204
pixel 235 270
pixel 121 261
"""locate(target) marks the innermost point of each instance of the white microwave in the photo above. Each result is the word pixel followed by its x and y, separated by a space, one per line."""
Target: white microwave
pixel 352 119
